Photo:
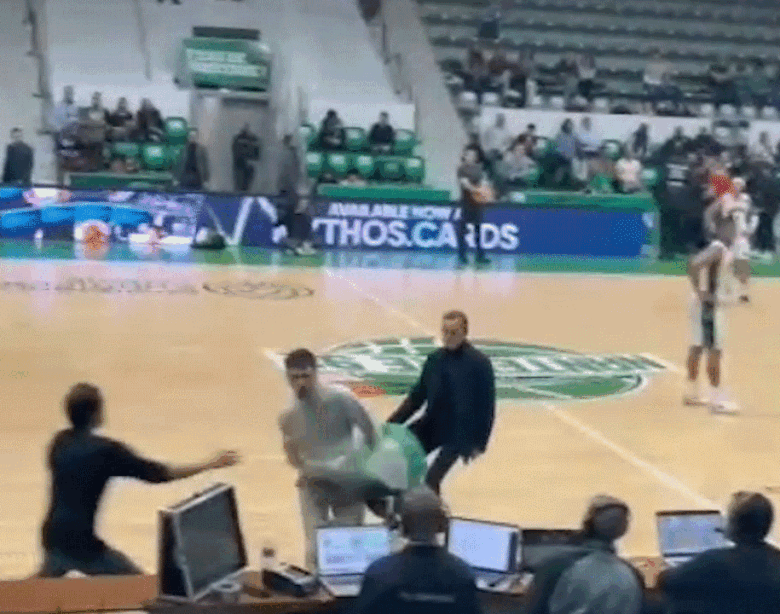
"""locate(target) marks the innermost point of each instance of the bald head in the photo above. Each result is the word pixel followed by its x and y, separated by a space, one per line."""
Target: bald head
pixel 422 514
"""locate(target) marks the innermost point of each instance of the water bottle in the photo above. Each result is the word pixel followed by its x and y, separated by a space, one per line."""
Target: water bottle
pixel 268 557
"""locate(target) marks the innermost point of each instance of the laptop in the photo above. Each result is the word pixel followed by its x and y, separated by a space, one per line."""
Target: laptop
pixel 684 534
pixel 489 548
pixel 542 545
pixel 344 554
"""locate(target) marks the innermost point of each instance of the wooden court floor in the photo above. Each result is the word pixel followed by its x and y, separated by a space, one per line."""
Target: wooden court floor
pixel 185 357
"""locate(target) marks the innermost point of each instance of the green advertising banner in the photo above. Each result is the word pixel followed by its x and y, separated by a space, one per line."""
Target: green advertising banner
pixel 222 63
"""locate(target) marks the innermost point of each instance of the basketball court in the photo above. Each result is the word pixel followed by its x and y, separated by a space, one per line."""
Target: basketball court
pixel 188 358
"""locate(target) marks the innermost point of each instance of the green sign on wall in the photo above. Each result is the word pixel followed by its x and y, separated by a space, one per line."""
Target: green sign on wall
pixel 223 63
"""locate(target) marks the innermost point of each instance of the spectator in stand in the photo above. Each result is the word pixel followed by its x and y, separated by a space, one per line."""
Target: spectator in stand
pixel 381 138
pixel 763 153
pixel 475 143
pixel 758 85
pixel 192 171
pixel 591 579
pixel 566 70
pixel 721 81
pixel 496 141
pixel 744 577
pixel 564 155
pixel 655 79
pixel 705 142
pixel 478 77
pixel 246 150
pixel 742 77
pixel 18 166
pixel 353 179
pixel 515 80
pixel 331 132
pixel 149 123
pixel 677 143
pixel 118 166
pixel 93 130
pixel 529 138
pixel 423 578
pixel 628 172
pixel 121 121
pixel 640 142
pixel 516 167
pixel 588 148
pixel 586 76
pixel 66 114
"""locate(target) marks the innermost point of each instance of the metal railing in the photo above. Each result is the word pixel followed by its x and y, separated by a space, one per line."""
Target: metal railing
pixel 143 39
pixel 38 51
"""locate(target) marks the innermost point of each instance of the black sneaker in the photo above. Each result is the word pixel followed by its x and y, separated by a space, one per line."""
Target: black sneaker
pixel 744 298
pixel 463 261
pixel 483 259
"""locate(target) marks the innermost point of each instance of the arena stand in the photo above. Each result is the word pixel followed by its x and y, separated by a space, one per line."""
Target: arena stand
pixel 622 37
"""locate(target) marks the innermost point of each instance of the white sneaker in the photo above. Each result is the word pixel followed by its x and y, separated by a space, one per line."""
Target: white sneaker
pixel 722 406
pixel 693 397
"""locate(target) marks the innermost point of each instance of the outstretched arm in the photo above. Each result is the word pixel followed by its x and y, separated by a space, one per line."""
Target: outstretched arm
pixel 220 461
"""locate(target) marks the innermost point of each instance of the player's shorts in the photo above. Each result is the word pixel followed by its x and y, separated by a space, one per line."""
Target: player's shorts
pixel 741 249
pixel 707 325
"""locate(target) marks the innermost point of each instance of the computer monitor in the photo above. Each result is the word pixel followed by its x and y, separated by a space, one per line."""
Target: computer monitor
pixel 345 551
pixel 487 546
pixel 684 534
pixel 209 545
pixel 538 546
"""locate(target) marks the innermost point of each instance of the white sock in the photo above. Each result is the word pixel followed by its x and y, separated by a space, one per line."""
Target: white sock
pixel 693 389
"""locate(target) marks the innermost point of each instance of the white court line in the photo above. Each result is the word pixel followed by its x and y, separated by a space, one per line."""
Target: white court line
pixel 663 478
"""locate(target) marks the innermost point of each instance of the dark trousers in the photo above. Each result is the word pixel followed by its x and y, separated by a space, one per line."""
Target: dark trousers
pixel 469 214
pixel 243 174
pixel 445 460
pixel 109 562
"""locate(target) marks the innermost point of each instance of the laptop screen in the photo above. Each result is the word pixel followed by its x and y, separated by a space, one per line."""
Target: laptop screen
pixel 345 551
pixel 688 533
pixel 483 545
pixel 542 545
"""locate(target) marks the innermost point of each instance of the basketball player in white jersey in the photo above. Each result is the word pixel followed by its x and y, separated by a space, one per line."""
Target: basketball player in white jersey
pixel 706 271
pixel 746 218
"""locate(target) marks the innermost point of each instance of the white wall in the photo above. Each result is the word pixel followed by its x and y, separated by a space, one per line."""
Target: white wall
pixel 363 115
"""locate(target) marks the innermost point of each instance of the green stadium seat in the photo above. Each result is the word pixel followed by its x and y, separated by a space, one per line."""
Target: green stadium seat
pixel 125 150
pixel 650 177
pixel 308 135
pixel 315 163
pixel 355 139
pixel 414 169
pixel 154 157
pixel 365 165
pixel 338 164
pixel 390 168
pixel 176 130
pixel 405 142
pixel 175 152
pixel 613 149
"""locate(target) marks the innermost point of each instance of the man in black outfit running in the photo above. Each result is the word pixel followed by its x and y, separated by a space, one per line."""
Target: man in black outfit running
pixel 81 464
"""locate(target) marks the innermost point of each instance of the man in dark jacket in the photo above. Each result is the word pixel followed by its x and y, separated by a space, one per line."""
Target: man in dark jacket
pixel 742 579
pixel 246 149
pixel 192 171
pixel 457 384
pixel 423 578
pixel 18 161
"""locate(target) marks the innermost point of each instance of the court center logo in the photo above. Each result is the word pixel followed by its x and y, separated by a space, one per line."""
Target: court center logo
pixel 523 372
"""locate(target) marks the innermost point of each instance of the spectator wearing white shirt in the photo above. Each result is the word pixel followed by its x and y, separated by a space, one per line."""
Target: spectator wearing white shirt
pixel 763 153
pixel 588 147
pixel 516 166
pixel 629 173
pixel 496 141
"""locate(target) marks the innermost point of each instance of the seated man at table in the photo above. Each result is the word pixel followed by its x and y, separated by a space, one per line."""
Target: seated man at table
pixel 591 579
pixel 82 463
pixel 423 578
pixel 742 578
